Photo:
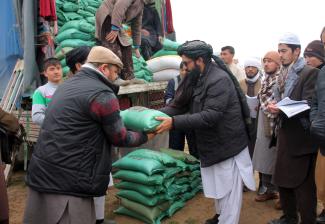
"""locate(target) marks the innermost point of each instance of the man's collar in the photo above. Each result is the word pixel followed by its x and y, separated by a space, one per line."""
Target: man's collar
pixel 108 82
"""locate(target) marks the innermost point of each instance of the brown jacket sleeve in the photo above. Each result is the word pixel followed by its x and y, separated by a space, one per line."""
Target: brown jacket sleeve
pixel 136 29
pixel 308 88
pixel 119 11
pixel 8 121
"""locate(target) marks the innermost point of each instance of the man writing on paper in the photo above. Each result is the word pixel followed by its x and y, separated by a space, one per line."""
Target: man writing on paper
pixel 296 155
pixel 251 85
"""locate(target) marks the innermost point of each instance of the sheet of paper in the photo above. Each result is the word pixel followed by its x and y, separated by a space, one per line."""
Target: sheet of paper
pixel 292 107
pixel 288 101
pixel 252 104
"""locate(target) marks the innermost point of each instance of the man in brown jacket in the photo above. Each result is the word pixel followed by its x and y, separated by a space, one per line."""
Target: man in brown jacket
pixel 251 85
pixel 10 123
pixel 296 156
pixel 109 31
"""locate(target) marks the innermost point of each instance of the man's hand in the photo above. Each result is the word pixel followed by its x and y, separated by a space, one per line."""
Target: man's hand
pixel 145 32
pixel 273 108
pixel 111 37
pixel 161 39
pixel 137 53
pixel 166 125
pixel 151 135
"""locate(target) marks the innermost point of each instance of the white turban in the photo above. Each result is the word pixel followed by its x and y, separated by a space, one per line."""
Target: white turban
pixel 253 62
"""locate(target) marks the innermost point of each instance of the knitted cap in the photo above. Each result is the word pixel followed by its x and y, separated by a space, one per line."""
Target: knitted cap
pixel 274 56
pixel 315 49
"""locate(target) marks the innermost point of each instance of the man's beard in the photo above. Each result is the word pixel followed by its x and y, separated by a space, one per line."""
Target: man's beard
pixel 194 74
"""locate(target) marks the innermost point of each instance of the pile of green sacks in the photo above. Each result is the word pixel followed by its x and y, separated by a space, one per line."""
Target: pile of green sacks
pixel 140 69
pixel 154 184
pixel 169 48
pixel 76 21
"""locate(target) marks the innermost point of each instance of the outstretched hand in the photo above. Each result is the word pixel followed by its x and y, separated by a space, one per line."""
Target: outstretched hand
pixel 166 124
pixel 111 37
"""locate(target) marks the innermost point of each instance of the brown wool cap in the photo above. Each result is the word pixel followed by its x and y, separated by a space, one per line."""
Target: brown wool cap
pixel 274 56
pixel 101 54
pixel 315 49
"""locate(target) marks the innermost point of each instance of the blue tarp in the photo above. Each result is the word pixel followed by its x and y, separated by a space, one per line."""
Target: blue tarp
pixel 10 44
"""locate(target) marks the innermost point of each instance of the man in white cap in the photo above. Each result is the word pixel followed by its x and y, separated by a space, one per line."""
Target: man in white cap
pixel 296 155
pixel 251 85
pixel 72 158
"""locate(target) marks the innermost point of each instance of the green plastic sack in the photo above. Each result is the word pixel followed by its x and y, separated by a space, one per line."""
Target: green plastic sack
pixel 174 208
pixel 68 16
pixel 193 167
pixel 196 183
pixel 168 182
pixel 140 164
pixel 81 25
pixel 63 62
pixel 153 214
pixel 170 45
pixel 182 180
pixel 91 9
pixel 138 177
pixel 143 189
pixel 183 174
pixel 70 7
pixel 195 174
pixel 171 172
pixel 155 155
pixel 94 4
pixel 142 199
pixel 60 23
pixel 124 211
pixel 185 157
pixel 141 118
pixel 76 43
pixel 176 189
pixel 163 52
pixel 58 4
pixel 85 13
pixel 65 70
pixel 91 20
pixel 188 195
pixel 61 52
pixel 73 34
pixel 144 74
pixel 181 165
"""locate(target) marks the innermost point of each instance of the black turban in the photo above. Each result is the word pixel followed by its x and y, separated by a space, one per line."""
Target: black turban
pixel 195 48
pixel 77 55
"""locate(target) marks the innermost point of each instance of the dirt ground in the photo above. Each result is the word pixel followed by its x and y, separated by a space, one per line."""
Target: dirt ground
pixel 196 211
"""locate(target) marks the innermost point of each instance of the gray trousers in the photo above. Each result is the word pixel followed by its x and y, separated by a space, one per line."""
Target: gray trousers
pixel 58 209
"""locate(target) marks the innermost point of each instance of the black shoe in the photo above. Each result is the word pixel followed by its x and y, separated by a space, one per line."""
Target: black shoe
pixel 321 218
pixel 214 220
pixel 102 221
pixel 284 220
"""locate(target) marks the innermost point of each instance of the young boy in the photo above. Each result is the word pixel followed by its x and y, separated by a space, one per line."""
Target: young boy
pixel 43 95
